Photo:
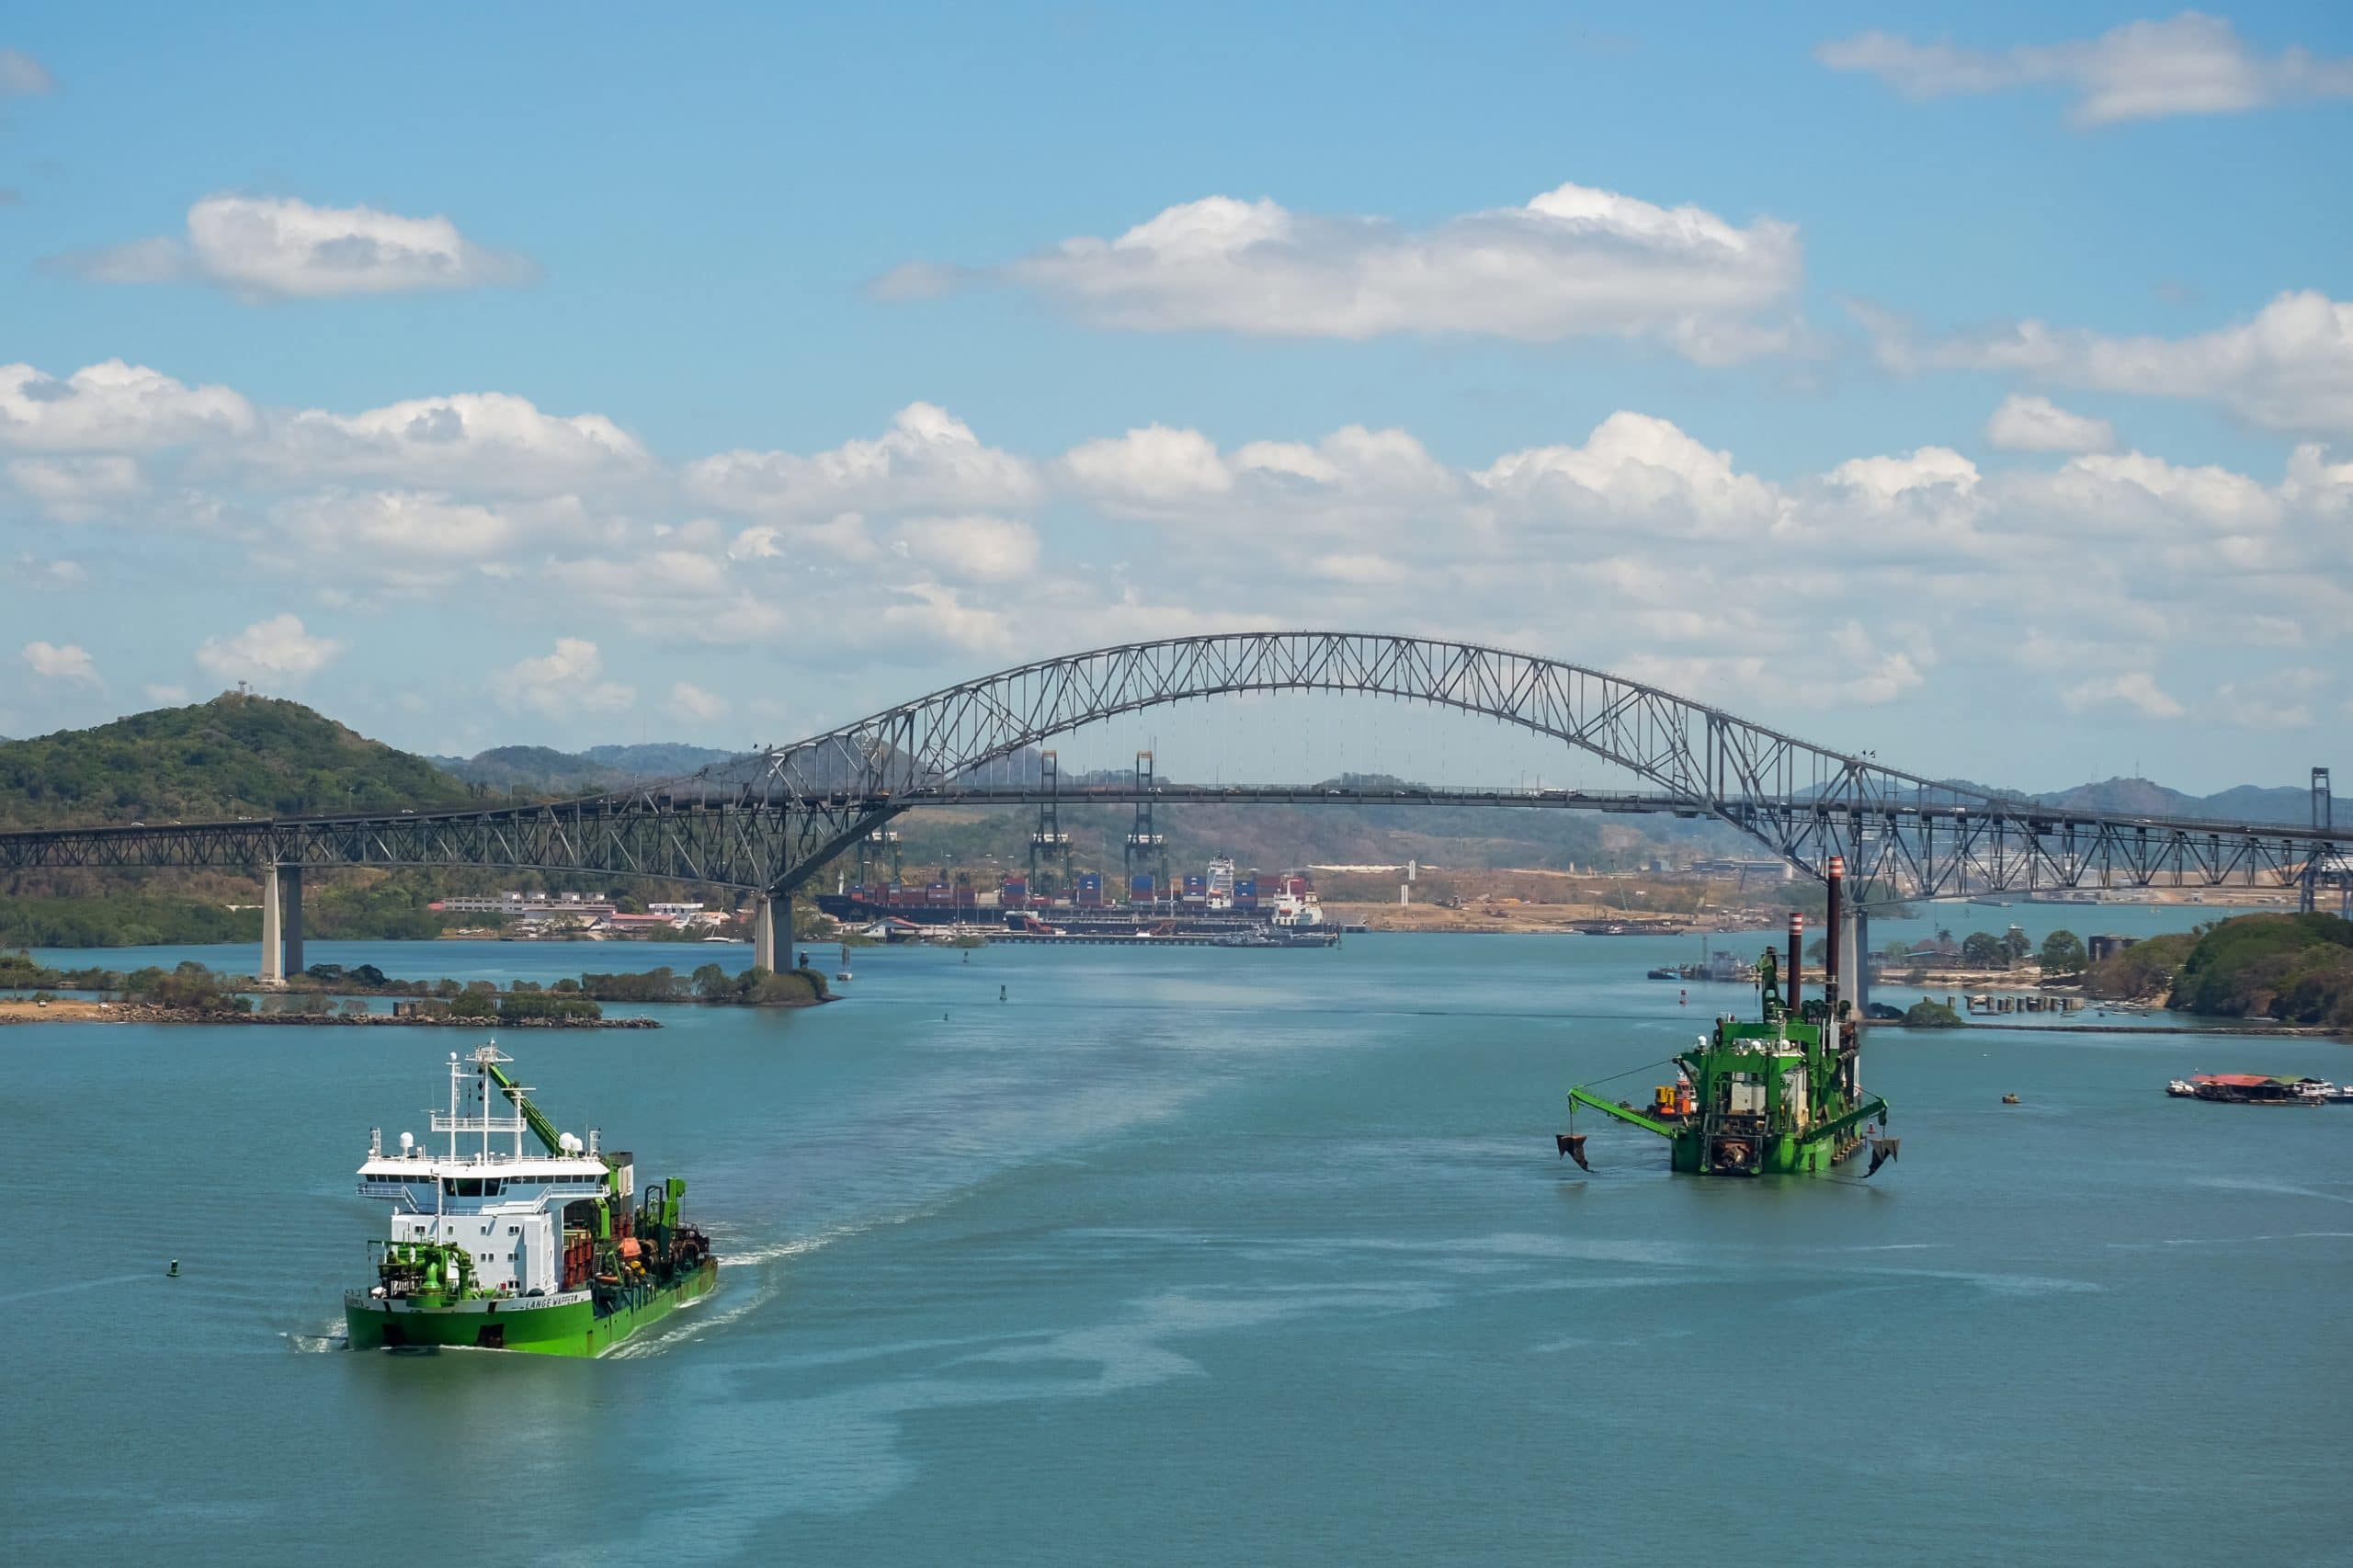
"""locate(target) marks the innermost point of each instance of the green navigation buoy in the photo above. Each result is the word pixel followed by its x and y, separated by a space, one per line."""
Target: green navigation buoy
pixel 173 1271
pixel 1000 993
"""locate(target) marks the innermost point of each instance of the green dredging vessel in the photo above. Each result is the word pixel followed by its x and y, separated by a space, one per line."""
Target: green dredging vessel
pixel 497 1249
pixel 1781 1096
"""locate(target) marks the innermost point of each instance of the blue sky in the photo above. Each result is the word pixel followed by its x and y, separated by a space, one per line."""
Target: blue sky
pixel 1747 361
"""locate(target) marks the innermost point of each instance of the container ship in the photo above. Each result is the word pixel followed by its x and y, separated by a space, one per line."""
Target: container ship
pixel 497 1248
pixel 1780 1096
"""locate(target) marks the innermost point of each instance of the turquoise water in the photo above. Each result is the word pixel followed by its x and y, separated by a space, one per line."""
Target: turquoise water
pixel 1194 1256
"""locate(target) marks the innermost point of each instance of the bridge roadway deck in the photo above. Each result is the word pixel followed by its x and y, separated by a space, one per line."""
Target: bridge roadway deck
pixel 763 842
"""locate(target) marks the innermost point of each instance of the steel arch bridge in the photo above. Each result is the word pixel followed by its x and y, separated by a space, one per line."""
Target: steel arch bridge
pixel 764 823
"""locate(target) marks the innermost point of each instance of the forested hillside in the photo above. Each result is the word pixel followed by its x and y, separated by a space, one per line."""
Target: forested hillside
pixel 235 755
pixel 2295 968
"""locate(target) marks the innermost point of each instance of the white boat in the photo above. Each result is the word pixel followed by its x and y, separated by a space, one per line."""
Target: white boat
pixel 2180 1090
pixel 1297 912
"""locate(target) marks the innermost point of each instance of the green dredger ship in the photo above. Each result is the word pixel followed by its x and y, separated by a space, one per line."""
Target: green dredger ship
pixel 497 1249
pixel 1781 1096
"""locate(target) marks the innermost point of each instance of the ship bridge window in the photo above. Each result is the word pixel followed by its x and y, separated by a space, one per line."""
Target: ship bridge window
pixel 470 1187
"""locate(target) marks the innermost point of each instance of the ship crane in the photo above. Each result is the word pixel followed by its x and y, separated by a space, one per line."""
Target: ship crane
pixel 554 1141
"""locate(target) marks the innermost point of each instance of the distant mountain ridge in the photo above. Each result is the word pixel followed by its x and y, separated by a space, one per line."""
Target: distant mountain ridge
pixel 2284 804
pixel 543 770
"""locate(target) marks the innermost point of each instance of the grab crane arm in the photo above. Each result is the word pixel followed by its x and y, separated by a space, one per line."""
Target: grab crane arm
pixel 1580 1095
pixel 533 1117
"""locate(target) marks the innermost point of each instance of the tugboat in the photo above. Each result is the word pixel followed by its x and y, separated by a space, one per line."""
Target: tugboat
pixel 1780 1096
pixel 497 1249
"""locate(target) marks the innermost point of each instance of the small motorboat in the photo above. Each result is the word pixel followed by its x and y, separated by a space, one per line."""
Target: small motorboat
pixel 2009 1099
pixel 2181 1089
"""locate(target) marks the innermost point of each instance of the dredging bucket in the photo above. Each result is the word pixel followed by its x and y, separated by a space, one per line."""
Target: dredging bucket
pixel 1572 1145
pixel 1882 1151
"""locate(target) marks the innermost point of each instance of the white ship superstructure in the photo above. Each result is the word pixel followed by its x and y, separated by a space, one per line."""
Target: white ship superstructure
pixel 1297 910
pixel 501 1205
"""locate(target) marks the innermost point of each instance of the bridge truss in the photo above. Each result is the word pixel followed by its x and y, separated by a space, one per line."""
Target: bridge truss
pixel 766 823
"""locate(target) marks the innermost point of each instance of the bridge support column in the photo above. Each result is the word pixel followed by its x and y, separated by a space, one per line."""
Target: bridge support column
pixel 1858 959
pixel 290 887
pixel 273 959
pixel 764 932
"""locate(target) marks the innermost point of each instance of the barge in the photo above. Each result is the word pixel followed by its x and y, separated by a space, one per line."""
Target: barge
pixel 2258 1088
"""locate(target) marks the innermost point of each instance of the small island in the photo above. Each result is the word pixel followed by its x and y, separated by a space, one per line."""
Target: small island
pixel 332 994
pixel 2294 971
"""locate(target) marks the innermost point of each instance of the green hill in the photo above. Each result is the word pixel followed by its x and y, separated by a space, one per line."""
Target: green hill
pixel 2295 968
pixel 235 755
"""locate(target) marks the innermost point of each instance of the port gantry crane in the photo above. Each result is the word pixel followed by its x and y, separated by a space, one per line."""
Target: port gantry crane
pixel 1146 843
pixel 1049 838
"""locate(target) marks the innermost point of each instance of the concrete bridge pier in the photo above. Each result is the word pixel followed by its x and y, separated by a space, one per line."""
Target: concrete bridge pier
pixel 272 970
pixel 289 892
pixel 764 930
pixel 282 923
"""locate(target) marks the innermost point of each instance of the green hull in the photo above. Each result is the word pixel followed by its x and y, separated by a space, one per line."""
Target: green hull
pixel 564 1327
pixel 1781 1156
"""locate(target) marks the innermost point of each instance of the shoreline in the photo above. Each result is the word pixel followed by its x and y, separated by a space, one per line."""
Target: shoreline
pixel 74 1011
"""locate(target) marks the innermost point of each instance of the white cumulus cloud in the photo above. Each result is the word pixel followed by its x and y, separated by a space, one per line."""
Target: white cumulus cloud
pixel 1635 470
pixel 76 487
pixel 928 460
pixel 394 528
pixel 276 650
pixel 2025 424
pixel 1353 473
pixel 277 247
pixel 696 703
pixel 1573 261
pixel 2191 64
pixel 2291 368
pixel 1153 469
pixel 978 549
pixel 113 407
pixel 486 441
pixel 2134 689
pixel 34 571
pixel 568 679
pixel 69 663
